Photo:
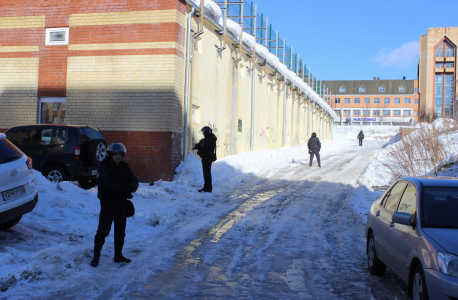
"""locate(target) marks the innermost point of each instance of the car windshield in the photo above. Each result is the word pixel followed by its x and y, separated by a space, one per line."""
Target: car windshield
pixel 440 206
pixel 8 152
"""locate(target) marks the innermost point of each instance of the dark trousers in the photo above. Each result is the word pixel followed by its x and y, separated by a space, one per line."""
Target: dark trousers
pixel 111 212
pixel 317 154
pixel 360 142
pixel 207 168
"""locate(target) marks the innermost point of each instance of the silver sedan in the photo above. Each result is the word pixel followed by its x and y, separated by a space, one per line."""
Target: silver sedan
pixel 413 230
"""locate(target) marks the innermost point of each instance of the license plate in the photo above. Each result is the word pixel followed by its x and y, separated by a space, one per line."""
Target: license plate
pixel 94 172
pixel 13 193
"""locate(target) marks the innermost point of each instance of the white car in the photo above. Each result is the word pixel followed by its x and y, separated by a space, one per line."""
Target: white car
pixel 18 192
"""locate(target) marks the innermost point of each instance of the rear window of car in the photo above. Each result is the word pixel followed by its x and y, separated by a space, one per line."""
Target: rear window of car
pixel 88 134
pixel 8 152
pixel 40 137
pixel 440 207
pixel 16 136
pixel 61 137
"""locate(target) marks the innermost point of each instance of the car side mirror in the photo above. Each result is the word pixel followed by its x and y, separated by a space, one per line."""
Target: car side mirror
pixel 402 218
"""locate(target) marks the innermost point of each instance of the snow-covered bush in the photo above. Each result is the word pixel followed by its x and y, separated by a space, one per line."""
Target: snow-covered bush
pixel 421 151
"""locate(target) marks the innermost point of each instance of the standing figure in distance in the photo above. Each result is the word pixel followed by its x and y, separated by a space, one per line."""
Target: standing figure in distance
pixel 116 183
pixel 206 149
pixel 361 138
pixel 314 146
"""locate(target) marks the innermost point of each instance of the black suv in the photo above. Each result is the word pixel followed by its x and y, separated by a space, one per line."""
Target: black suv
pixel 62 152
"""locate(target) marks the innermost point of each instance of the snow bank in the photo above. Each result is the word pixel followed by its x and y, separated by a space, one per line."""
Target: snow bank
pixel 379 175
pixel 274 60
pixel 249 41
pixel 212 9
pixel 234 28
pixel 263 52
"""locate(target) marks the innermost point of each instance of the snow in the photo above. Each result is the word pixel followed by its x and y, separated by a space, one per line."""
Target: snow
pixel 274 60
pixel 55 240
pixel 263 52
pixel 213 9
pixel 379 175
pixel 249 41
pixel 234 28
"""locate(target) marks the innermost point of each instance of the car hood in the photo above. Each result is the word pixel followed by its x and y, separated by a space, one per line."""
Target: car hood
pixel 447 238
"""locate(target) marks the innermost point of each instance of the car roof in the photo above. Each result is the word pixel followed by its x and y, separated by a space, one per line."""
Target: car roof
pixel 434 181
pixel 56 125
pixel 2 136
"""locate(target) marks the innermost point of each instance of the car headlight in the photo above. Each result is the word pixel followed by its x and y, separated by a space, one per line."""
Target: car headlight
pixel 448 263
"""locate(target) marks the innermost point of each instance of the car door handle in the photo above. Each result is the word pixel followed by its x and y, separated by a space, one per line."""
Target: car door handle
pixel 392 224
pixel 377 214
pixel 45 151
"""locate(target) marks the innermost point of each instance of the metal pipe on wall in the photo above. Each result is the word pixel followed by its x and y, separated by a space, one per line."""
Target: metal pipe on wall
pixel 322 124
pixel 253 85
pixel 309 107
pixel 284 114
pixel 186 99
pixel 323 128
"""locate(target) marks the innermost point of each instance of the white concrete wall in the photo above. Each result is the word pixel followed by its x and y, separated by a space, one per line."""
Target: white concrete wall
pixel 221 88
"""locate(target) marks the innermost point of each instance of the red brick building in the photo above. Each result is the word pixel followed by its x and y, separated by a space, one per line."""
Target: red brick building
pixel 117 65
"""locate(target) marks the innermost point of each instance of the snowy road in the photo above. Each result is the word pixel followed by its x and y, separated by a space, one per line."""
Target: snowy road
pixel 274 229
pixel 294 235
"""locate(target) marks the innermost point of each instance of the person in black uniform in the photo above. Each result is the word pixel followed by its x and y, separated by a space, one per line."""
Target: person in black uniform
pixel 314 146
pixel 116 183
pixel 206 149
pixel 361 138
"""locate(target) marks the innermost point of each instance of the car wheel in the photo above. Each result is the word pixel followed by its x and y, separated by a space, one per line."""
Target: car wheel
pixel 96 151
pixel 419 290
pixel 9 224
pixel 87 183
pixel 55 174
pixel 375 265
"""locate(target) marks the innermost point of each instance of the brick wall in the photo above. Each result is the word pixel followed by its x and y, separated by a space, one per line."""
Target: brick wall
pixel 151 155
pixel 123 71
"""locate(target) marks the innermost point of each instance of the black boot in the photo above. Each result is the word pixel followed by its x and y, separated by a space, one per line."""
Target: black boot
pixel 95 259
pixel 119 258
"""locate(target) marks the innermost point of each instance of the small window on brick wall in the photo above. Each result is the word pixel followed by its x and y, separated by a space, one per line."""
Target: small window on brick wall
pixel 240 126
pixel 57 36
pixel 52 110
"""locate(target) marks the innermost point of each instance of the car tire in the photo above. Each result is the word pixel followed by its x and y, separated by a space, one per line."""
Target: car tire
pixel 419 289
pixel 55 174
pixel 96 151
pixel 375 265
pixel 9 224
pixel 87 183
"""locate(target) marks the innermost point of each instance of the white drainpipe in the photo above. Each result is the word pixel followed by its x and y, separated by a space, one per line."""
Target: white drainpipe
pixel 252 105
pixel 309 120
pixel 284 115
pixel 186 99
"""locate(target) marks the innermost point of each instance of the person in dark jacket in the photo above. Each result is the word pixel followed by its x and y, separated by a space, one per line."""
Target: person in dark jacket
pixel 314 146
pixel 206 149
pixel 116 183
pixel 361 138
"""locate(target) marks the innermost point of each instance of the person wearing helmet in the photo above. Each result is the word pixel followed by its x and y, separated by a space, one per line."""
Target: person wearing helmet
pixel 314 146
pixel 206 149
pixel 116 183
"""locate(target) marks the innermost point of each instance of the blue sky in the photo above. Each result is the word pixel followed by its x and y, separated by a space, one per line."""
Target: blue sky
pixel 351 40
